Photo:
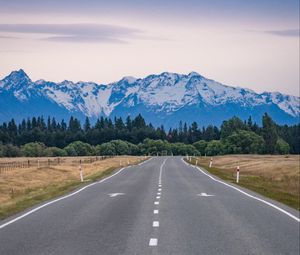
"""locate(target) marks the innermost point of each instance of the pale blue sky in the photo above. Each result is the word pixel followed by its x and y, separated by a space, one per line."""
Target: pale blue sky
pixel 252 44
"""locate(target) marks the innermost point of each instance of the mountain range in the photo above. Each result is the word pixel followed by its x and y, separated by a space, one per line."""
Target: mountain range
pixel 166 98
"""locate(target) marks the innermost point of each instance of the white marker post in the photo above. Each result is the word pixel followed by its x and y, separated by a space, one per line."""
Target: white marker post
pixel 196 162
pixel 80 172
pixel 210 163
pixel 237 174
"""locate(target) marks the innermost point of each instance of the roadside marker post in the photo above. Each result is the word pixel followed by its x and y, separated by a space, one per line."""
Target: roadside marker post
pixel 196 162
pixel 211 162
pixel 80 172
pixel 237 174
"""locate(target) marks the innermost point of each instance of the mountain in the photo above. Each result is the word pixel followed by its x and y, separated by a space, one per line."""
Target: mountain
pixel 165 99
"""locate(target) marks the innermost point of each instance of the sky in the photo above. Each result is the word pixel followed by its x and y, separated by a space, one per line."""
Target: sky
pixel 246 43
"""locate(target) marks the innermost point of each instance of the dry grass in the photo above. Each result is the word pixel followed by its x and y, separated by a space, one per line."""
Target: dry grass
pixel 274 176
pixel 23 187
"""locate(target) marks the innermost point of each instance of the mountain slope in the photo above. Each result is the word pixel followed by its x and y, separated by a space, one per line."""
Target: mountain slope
pixel 165 99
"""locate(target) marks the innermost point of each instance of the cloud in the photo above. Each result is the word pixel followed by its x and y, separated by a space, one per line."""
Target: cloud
pixel 285 32
pixel 76 32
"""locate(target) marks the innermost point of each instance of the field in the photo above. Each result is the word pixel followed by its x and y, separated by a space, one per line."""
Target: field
pixel 276 177
pixel 23 183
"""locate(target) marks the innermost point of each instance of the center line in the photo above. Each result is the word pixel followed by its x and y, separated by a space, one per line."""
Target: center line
pixel 156 203
pixel 159 189
pixel 155 211
pixel 158 193
pixel 155 224
pixel 158 197
pixel 153 242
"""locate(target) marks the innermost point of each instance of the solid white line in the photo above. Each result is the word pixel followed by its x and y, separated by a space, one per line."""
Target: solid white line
pixel 144 161
pixel 248 195
pixel 155 224
pixel 156 203
pixel 158 197
pixel 153 242
pixel 59 199
pixel 155 211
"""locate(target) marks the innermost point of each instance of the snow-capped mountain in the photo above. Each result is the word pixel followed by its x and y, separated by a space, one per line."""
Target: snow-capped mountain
pixel 165 99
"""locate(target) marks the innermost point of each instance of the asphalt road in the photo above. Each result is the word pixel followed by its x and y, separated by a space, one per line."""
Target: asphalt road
pixel 130 213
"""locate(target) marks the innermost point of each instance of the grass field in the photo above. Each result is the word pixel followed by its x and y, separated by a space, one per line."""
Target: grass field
pixel 276 177
pixel 21 188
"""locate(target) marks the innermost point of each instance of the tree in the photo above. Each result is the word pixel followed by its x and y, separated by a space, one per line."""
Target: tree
pixel 282 147
pixel 200 146
pixel 269 133
pixel 214 147
pixel 232 125
pixel 244 142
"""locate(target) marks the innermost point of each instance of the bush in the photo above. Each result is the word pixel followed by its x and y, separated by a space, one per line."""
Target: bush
pixel 282 147
pixel 9 150
pixel 55 152
pixel 36 149
pixel 106 149
pixel 79 148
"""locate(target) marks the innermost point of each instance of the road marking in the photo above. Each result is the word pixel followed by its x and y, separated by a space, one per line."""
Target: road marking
pixel 155 211
pixel 156 203
pixel 246 194
pixel 158 193
pixel 204 195
pixel 159 189
pixel 155 224
pixel 158 197
pixel 160 171
pixel 62 198
pixel 153 242
pixel 144 161
pixel 159 185
pixel 115 194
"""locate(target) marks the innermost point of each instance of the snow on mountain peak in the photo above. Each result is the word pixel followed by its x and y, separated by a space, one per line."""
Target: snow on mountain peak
pixel 166 92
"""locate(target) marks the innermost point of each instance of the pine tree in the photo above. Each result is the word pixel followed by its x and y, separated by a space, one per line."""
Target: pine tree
pixel 269 133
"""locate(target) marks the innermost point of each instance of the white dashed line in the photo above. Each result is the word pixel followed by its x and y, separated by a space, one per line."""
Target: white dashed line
pixel 155 211
pixel 155 224
pixel 156 203
pixel 158 197
pixel 158 193
pixel 159 189
pixel 153 242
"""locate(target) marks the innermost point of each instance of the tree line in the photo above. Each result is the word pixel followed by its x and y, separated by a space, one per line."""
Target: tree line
pixel 40 137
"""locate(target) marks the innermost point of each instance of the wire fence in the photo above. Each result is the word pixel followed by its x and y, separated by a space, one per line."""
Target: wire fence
pixel 43 163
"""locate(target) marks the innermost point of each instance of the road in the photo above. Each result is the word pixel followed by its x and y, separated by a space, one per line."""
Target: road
pixel 163 206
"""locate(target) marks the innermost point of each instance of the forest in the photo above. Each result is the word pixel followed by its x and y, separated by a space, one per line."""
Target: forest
pixel 133 136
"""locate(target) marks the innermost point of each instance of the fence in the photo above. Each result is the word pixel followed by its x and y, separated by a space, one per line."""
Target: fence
pixel 42 163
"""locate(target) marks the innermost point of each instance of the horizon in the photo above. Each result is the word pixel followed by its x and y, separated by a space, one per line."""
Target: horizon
pixel 252 44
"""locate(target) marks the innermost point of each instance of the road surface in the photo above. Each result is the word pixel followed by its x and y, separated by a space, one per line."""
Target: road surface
pixel 162 206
